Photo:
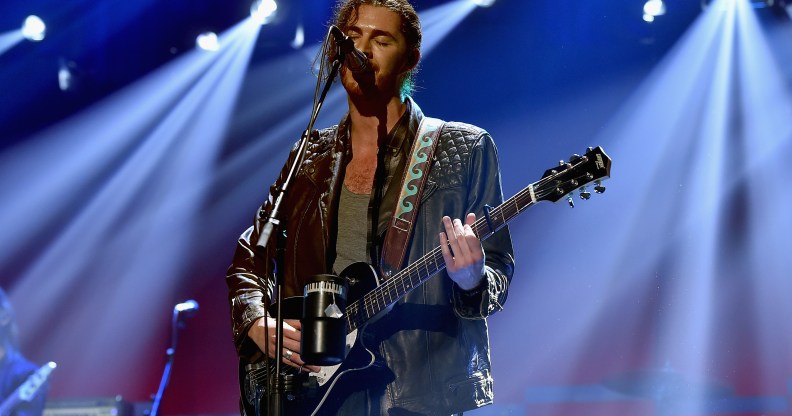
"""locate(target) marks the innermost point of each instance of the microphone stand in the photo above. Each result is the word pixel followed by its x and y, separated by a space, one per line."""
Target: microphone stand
pixel 276 393
pixel 176 324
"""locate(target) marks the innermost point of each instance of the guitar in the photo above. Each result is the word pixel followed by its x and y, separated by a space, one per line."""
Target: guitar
pixel 368 303
pixel 27 391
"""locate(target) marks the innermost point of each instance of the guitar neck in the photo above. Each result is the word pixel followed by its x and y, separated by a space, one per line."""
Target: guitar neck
pixel 554 184
pixel 418 272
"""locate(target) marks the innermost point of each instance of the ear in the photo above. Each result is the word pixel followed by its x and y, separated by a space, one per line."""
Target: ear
pixel 412 60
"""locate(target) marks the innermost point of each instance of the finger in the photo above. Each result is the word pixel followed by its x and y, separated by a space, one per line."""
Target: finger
pixel 290 339
pixel 294 323
pixel 470 219
pixel 462 240
pixel 291 345
pixel 297 361
pixel 449 229
pixel 451 236
pixel 473 242
pixel 447 256
pixel 287 346
pixel 289 332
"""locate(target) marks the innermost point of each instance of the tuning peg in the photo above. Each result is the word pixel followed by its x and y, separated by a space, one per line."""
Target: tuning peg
pixel 599 188
pixel 574 158
pixel 584 194
pixel 570 201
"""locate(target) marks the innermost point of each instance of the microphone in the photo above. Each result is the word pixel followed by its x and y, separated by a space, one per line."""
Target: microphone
pixel 188 308
pixel 356 61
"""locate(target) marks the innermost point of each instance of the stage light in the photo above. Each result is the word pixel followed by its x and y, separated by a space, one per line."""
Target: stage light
pixel 65 78
pixel 34 28
pixel 654 7
pixel 69 76
pixel 263 11
pixel 208 41
pixel 483 3
pixel 299 38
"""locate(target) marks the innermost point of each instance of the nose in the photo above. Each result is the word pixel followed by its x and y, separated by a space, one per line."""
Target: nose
pixel 363 44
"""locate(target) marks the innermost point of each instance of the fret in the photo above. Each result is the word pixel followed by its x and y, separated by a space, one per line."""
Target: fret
pixel 367 305
pixel 516 205
pixel 426 267
pixel 497 218
pixel 377 303
pixel 350 320
pixel 418 277
pixel 353 315
pixel 414 282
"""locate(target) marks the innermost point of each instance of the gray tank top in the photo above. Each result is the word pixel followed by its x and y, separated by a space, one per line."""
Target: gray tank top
pixel 352 229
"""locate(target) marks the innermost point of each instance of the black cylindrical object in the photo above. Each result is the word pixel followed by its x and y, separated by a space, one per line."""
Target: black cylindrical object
pixel 323 338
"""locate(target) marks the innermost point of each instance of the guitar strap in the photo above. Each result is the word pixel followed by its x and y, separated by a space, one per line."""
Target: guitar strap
pixel 412 185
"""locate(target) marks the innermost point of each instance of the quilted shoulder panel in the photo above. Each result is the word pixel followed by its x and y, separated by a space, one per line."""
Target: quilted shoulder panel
pixel 452 156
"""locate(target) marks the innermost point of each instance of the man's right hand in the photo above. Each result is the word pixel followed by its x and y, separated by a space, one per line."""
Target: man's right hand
pixel 291 341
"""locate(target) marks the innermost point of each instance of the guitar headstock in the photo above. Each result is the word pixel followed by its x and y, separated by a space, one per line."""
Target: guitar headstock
pixel 577 173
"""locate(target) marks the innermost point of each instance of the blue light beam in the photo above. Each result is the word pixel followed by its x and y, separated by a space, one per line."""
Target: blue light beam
pixel 136 168
pixel 10 39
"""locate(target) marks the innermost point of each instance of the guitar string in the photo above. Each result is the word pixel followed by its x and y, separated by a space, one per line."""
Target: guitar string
pixel 376 297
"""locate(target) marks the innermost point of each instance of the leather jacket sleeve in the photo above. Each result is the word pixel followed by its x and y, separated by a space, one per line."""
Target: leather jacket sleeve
pixel 249 278
pixel 485 189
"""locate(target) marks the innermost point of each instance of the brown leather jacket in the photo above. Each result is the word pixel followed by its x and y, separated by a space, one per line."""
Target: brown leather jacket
pixel 433 343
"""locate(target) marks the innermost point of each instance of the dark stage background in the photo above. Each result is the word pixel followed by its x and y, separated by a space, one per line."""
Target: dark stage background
pixel 668 294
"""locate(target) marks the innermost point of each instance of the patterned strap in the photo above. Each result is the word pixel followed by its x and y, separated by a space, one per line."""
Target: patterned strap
pixel 415 173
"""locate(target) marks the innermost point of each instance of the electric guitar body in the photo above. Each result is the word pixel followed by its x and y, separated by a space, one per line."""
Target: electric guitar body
pixel 304 390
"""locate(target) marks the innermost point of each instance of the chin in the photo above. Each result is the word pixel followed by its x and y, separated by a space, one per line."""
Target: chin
pixel 361 85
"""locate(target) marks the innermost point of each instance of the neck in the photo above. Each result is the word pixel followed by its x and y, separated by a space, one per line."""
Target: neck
pixel 372 119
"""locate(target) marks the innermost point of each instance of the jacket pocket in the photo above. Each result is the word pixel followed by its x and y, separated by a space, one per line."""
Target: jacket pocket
pixel 470 392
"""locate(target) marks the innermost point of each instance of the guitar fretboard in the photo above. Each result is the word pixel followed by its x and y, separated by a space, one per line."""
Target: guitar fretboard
pixel 556 183
pixel 398 285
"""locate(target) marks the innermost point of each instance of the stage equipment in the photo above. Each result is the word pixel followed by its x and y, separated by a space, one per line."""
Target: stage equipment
pixel 181 312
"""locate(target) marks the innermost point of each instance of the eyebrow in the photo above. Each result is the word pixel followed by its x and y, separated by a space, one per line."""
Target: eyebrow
pixel 374 32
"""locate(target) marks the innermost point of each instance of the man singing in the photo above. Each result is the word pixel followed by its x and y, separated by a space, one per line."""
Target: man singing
pixel 432 347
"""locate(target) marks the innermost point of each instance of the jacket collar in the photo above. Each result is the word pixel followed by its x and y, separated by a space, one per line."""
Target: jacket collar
pixel 403 131
pixel 399 139
pixel 401 136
